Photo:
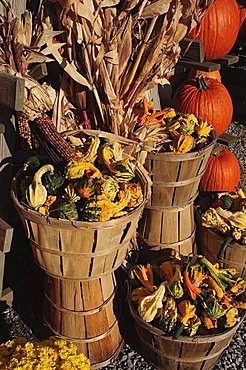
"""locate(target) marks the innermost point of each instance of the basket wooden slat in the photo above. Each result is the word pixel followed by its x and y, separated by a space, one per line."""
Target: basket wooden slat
pixel 190 353
pixel 176 177
pixel 85 312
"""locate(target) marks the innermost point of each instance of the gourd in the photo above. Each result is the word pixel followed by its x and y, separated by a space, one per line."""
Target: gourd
pixel 108 186
pixel 77 169
pixel 149 306
pixel 222 172
pixel 67 208
pixel 100 208
pixel 207 99
pixel 218 29
pixel 53 182
pixel 194 73
pixel 123 170
pixel 36 193
pixel 86 188
pixel 169 315
pixel 226 201
pixel 136 195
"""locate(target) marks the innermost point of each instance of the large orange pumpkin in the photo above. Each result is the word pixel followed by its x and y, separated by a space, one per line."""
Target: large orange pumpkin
pixel 197 72
pixel 222 172
pixel 218 28
pixel 207 99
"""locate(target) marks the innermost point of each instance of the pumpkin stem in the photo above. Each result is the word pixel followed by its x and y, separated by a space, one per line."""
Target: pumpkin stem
pixel 202 83
pixel 216 150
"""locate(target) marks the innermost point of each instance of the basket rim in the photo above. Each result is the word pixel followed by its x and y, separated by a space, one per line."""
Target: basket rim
pixel 186 156
pixel 219 236
pixel 77 224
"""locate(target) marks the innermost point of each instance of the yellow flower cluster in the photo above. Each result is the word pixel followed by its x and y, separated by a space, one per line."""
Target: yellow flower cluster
pixel 50 354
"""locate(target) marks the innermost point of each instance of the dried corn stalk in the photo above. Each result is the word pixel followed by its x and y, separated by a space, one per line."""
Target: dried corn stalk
pixel 116 50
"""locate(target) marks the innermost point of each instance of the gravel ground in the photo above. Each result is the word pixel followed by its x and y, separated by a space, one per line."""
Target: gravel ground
pixel 25 319
pixel 238 147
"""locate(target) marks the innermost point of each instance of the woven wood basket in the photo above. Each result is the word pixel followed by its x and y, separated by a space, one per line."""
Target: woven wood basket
pixel 190 353
pixel 148 253
pixel 176 177
pixel 235 254
pixel 80 250
pixel 85 312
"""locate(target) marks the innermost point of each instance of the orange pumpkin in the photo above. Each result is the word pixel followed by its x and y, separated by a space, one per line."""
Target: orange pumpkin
pixel 207 99
pixel 218 28
pixel 194 73
pixel 222 172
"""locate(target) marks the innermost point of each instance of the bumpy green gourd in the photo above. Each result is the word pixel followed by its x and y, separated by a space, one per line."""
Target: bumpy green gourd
pixel 169 316
pixel 68 211
pixel 53 182
pixel 100 208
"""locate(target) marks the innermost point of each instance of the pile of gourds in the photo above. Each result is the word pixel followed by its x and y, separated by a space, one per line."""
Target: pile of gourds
pixel 99 185
pixel 187 295
pixel 180 133
pixel 227 215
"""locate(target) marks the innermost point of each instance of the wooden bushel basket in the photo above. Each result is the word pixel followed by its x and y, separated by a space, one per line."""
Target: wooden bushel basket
pixel 169 227
pixel 176 177
pixel 235 254
pixel 190 353
pixel 85 312
pixel 79 249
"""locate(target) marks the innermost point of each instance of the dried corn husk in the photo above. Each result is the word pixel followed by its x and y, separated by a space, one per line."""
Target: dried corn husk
pixel 123 48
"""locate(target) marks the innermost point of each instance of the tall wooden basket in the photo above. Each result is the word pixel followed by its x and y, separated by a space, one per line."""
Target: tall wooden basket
pixel 190 353
pixel 80 250
pixel 176 177
pixel 86 313
pixel 167 227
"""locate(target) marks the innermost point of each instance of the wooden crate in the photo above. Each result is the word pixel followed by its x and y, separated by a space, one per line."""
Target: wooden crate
pixel 6 233
pixel 11 101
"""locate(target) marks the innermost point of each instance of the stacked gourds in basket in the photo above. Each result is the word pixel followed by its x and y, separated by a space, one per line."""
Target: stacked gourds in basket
pixel 183 305
pixel 80 216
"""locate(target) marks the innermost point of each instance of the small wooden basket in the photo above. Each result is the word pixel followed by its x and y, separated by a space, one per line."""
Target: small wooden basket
pixel 79 249
pixel 235 254
pixel 190 353
pixel 211 244
pixel 176 177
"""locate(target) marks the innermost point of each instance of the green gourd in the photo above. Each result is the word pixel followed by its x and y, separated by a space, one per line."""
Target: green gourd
pixel 53 182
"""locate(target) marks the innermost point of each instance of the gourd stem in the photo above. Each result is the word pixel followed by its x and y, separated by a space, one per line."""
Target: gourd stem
pixel 223 247
pixel 202 83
